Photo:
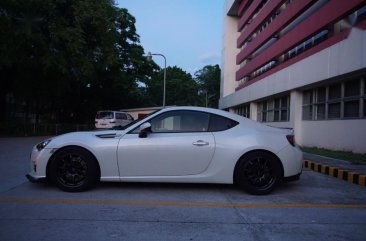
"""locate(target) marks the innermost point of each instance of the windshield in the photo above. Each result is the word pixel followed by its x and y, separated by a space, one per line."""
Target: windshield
pixel 104 115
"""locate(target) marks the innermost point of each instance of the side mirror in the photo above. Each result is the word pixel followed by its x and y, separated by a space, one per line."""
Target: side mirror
pixel 144 129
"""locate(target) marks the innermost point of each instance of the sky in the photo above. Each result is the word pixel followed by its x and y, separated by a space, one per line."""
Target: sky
pixel 187 32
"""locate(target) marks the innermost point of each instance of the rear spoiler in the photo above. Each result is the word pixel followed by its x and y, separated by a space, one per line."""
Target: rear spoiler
pixel 283 128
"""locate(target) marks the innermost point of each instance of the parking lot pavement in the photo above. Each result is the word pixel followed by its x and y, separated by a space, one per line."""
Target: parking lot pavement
pixel 14 160
pixel 317 207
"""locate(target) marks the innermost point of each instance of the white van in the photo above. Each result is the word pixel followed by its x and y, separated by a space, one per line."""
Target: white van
pixel 106 119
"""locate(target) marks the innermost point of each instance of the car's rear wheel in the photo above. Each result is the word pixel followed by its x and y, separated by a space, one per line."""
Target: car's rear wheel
pixel 73 169
pixel 258 172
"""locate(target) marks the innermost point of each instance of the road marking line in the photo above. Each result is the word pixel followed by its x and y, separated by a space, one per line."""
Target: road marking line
pixel 172 203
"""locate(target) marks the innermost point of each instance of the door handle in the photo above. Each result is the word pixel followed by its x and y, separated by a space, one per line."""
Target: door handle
pixel 201 143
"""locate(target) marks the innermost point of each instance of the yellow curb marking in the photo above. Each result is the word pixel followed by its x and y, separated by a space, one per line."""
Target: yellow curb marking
pixel 323 169
pixel 331 171
pixel 350 177
pixel 340 174
pixel 362 180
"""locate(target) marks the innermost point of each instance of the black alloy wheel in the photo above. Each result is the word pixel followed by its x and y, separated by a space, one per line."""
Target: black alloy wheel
pixel 73 169
pixel 258 173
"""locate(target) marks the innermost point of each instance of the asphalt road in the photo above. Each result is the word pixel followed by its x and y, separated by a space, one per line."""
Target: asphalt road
pixel 318 207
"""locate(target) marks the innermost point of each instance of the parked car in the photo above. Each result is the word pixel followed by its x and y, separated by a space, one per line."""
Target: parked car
pixel 178 144
pixel 107 119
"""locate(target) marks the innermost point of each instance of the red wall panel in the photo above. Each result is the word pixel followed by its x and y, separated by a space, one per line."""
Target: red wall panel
pixel 242 6
pixel 266 11
pixel 248 13
pixel 326 44
pixel 330 13
pixel 290 13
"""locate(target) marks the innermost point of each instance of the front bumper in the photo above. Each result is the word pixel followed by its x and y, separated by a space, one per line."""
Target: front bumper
pixel 35 179
pixel 38 164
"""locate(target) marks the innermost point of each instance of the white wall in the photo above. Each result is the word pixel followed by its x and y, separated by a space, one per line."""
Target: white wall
pixel 347 135
pixel 229 67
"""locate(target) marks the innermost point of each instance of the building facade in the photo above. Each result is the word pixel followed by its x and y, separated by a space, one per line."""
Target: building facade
pixel 298 64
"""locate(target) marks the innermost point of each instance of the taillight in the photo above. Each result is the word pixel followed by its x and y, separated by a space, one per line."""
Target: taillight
pixel 291 139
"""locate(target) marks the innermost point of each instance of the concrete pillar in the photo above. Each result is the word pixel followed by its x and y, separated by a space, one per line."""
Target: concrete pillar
pixel 296 114
pixel 254 111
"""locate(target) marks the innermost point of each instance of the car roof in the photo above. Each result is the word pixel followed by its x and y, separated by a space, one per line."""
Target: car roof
pixel 208 110
pixel 111 111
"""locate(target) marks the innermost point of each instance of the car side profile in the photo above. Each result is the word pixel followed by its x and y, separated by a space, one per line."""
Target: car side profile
pixel 177 144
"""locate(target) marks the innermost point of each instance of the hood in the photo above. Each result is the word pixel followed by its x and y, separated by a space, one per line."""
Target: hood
pixel 84 137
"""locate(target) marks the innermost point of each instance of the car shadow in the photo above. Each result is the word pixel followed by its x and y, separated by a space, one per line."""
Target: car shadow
pixel 165 186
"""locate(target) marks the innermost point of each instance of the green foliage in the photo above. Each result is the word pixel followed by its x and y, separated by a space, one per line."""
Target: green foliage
pixel 181 89
pixel 62 60
pixel 355 158
pixel 208 79
pixel 68 58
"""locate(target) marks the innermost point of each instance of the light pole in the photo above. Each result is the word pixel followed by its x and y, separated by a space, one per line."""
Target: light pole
pixel 206 98
pixel 149 58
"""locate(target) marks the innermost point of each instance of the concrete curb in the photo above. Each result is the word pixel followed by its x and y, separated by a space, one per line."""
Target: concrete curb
pixel 349 176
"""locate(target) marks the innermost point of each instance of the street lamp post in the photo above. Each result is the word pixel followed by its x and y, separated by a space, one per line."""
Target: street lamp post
pixel 149 58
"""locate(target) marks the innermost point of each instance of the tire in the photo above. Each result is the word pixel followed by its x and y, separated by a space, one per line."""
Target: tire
pixel 258 172
pixel 73 169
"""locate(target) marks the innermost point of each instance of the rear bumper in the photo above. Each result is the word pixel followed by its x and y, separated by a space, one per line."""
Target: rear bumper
pixel 291 158
pixel 292 178
pixel 35 179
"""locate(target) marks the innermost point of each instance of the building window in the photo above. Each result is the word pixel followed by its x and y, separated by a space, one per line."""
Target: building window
pixel 320 103
pixel 274 110
pixel 352 99
pixel 243 110
pixel 334 101
pixel 309 43
pixel 337 101
pixel 307 108
pixel 264 68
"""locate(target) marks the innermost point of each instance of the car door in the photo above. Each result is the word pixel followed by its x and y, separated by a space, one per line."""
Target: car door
pixel 177 144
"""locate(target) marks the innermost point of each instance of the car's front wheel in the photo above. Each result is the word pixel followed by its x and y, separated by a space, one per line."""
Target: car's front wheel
pixel 258 172
pixel 73 169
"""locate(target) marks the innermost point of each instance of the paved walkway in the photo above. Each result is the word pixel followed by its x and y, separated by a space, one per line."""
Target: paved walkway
pixel 353 173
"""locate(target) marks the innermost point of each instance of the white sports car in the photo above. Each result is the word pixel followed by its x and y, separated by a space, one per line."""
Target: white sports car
pixel 178 144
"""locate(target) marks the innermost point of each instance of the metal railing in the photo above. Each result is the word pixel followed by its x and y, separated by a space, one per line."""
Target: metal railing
pixel 39 129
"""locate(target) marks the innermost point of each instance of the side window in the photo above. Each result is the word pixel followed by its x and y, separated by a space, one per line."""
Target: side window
pixel 118 116
pixel 129 117
pixel 180 121
pixel 220 123
pixel 121 116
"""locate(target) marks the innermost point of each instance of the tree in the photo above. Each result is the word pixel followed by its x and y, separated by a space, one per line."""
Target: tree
pixel 181 89
pixel 208 79
pixel 65 59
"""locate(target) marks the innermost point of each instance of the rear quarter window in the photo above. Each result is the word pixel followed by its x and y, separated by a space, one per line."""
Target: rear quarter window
pixel 220 123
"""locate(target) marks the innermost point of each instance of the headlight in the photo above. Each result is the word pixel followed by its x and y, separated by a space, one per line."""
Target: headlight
pixel 43 144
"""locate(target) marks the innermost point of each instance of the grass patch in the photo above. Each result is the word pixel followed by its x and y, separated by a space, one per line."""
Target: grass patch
pixel 354 158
